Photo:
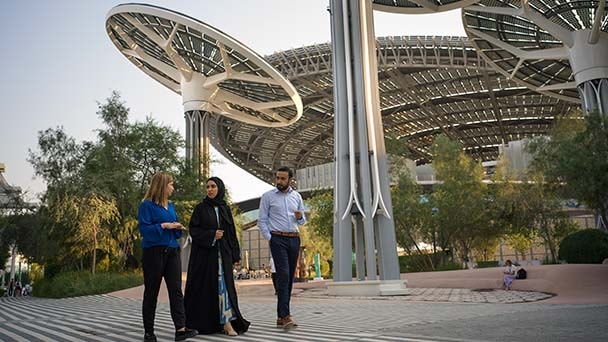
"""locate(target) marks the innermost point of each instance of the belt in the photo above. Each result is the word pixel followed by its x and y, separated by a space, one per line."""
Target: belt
pixel 276 232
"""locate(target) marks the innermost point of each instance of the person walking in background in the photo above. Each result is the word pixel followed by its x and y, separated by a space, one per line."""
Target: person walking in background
pixel 211 302
pixel 160 230
pixel 273 275
pixel 508 275
pixel 11 287
pixel 281 211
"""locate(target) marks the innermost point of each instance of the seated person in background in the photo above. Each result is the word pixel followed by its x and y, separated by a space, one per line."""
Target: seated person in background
pixel 508 275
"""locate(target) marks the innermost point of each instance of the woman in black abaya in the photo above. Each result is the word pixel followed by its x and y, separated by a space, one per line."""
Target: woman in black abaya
pixel 210 299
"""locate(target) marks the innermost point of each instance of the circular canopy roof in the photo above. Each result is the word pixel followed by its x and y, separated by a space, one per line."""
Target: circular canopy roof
pixel 211 70
pixel 419 6
pixel 428 86
pixel 525 40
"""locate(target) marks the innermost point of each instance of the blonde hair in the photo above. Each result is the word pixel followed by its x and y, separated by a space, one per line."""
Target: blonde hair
pixel 157 191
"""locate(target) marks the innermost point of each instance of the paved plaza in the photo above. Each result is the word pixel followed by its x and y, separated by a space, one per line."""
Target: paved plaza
pixel 424 316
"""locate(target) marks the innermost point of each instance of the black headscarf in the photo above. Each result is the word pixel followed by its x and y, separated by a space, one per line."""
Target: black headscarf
pixel 218 200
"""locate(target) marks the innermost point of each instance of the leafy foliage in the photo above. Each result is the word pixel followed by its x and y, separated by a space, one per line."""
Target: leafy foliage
pixel 461 200
pixel 575 159
pixel 73 284
pixel 88 216
pixel 322 209
pixel 95 187
pixel 317 235
pixel 413 219
pixel 587 246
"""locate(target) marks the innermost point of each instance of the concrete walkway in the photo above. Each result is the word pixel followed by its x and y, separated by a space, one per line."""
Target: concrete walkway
pixel 549 284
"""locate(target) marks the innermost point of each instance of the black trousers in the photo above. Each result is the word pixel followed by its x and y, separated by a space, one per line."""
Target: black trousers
pixel 162 262
pixel 285 251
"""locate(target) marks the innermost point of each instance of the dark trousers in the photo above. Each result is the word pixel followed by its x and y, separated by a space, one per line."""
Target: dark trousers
pixel 273 275
pixel 285 252
pixel 159 262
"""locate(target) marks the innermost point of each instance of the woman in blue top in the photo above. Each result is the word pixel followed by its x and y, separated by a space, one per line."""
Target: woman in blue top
pixel 160 230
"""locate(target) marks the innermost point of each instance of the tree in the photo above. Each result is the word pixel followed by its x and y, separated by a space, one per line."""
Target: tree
pixel 154 147
pixel 317 235
pixel 545 207
pixel 90 216
pixel 59 160
pixel 139 149
pixel 575 157
pixel 321 220
pixel 187 185
pixel 460 197
pixel 520 243
pixel 112 172
pixel 509 209
pixel 412 212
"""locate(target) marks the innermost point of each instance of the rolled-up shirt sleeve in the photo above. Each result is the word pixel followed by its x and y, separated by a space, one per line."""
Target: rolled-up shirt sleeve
pixel 302 220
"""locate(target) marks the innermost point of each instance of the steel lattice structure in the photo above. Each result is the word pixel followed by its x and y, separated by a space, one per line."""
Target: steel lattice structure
pixel 420 6
pixel 428 86
pixel 211 70
pixel 551 46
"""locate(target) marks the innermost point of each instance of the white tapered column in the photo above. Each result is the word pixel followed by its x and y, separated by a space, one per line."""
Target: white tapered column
pixel 361 190
pixel 197 142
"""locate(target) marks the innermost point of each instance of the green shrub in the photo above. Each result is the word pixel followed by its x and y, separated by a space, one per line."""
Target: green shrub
pixel 449 266
pixel 486 264
pixel 73 284
pixel 325 268
pixel 2 291
pixel 422 262
pixel 587 246
pixel 415 263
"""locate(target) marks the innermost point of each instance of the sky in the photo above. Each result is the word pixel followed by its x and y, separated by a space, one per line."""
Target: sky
pixel 57 63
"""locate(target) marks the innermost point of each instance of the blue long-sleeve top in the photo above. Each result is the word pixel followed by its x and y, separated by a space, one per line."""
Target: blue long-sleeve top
pixel 150 216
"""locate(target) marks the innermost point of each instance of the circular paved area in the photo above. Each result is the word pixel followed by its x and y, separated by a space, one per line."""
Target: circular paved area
pixel 447 295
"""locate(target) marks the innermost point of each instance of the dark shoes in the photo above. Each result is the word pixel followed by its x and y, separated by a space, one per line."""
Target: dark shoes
pixel 286 322
pixel 179 335
pixel 149 337
pixel 182 335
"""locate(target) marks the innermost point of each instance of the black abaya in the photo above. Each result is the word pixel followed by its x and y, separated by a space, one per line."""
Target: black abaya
pixel 201 296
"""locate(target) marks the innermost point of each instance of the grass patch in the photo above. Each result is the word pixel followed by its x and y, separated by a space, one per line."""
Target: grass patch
pixel 74 284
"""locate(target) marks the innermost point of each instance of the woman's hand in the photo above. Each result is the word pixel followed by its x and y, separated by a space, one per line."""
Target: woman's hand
pixel 219 234
pixel 173 225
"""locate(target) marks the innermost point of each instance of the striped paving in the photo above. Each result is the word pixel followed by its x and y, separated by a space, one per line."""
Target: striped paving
pixel 108 318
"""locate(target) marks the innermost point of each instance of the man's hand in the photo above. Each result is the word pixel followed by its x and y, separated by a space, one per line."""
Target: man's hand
pixel 298 214
pixel 219 234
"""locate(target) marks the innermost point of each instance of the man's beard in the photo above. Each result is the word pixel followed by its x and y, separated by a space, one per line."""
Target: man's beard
pixel 282 187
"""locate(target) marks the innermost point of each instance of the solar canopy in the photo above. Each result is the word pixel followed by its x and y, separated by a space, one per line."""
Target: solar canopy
pixel 532 41
pixel 419 6
pixel 428 86
pixel 211 70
